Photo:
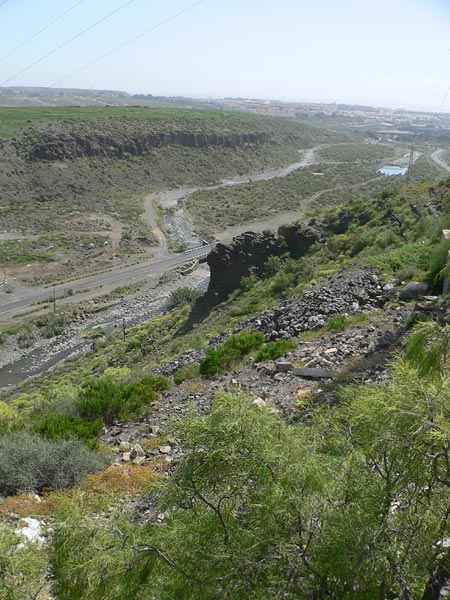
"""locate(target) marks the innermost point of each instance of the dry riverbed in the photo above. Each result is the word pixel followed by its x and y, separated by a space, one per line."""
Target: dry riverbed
pixel 17 364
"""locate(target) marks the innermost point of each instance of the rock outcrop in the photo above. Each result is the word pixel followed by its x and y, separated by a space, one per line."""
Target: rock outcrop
pixel 52 146
pixel 230 263
pixel 347 292
pixel 247 255
pixel 299 237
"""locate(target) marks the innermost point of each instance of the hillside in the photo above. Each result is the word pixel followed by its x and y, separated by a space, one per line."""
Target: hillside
pixel 283 435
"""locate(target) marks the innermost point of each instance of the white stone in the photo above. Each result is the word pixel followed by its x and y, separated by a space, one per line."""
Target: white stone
pixel 259 403
pixel 31 530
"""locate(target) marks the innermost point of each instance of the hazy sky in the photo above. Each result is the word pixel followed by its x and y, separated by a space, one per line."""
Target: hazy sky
pixel 379 52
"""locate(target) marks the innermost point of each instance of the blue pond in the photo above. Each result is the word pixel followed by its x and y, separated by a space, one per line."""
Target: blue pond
pixel 390 170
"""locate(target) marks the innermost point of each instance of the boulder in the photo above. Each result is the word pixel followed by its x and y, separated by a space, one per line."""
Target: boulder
pixel 299 237
pixel 413 290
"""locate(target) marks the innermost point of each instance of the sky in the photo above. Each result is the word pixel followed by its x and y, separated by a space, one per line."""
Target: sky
pixel 393 53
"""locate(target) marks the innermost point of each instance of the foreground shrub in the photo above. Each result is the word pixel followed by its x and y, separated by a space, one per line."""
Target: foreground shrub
pixel 438 263
pixel 274 350
pixel 23 572
pixel 64 427
pixel 32 463
pixel 235 347
pixel 108 400
pixel 351 505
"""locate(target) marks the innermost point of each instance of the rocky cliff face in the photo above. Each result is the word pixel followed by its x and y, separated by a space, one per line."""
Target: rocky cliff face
pixel 247 255
pixel 66 145
pixel 229 263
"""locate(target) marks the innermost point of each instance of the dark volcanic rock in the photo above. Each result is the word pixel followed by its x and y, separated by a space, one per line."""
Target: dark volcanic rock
pixel 346 292
pixel 53 146
pixel 299 237
pixel 349 291
pixel 412 290
pixel 245 256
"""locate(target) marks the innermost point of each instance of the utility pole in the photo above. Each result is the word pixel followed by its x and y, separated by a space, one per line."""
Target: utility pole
pixel 123 329
pixel 410 165
pixel 54 301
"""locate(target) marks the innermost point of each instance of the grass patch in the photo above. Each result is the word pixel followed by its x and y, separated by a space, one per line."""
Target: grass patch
pixel 275 349
pixel 230 352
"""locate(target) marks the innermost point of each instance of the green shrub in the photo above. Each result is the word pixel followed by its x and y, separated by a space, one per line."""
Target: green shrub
pixel 186 372
pixel 107 400
pixel 235 347
pixel 25 338
pixel 182 296
pixel 32 463
pixel 9 418
pixel 64 427
pixel 438 263
pixel 53 324
pixel 23 567
pixel 274 350
pixel 283 282
pixel 415 318
pixel 337 323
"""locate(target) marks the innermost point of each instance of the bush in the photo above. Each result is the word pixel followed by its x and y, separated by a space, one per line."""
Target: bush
pixel 64 427
pixel 236 346
pixel 337 323
pixel 186 372
pixel 274 350
pixel 53 324
pixel 107 400
pixel 415 318
pixel 9 418
pixel 438 263
pixel 23 567
pixel 32 463
pixel 25 338
pixel 283 282
pixel 182 296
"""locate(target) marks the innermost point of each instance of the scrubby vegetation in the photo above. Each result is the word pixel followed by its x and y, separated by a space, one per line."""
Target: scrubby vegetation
pixel 182 296
pixel 344 498
pixel 31 463
pixel 230 352
pixel 273 350
pixel 108 400
pixel 352 504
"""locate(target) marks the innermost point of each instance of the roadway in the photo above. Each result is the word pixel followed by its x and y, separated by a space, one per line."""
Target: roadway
pixel 438 160
pixel 10 304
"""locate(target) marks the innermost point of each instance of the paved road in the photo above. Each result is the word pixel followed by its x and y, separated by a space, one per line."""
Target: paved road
pixel 10 304
pixel 435 156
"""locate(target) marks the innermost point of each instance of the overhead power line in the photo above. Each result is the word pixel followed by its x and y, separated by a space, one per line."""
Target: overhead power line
pixel 445 98
pixel 76 36
pixel 35 35
pixel 130 41
pixel 4 2
pixel 440 80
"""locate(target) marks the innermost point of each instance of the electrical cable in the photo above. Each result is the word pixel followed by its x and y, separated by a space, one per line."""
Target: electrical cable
pixel 130 41
pixel 35 35
pixel 440 81
pixel 3 3
pixel 37 61
pixel 445 98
